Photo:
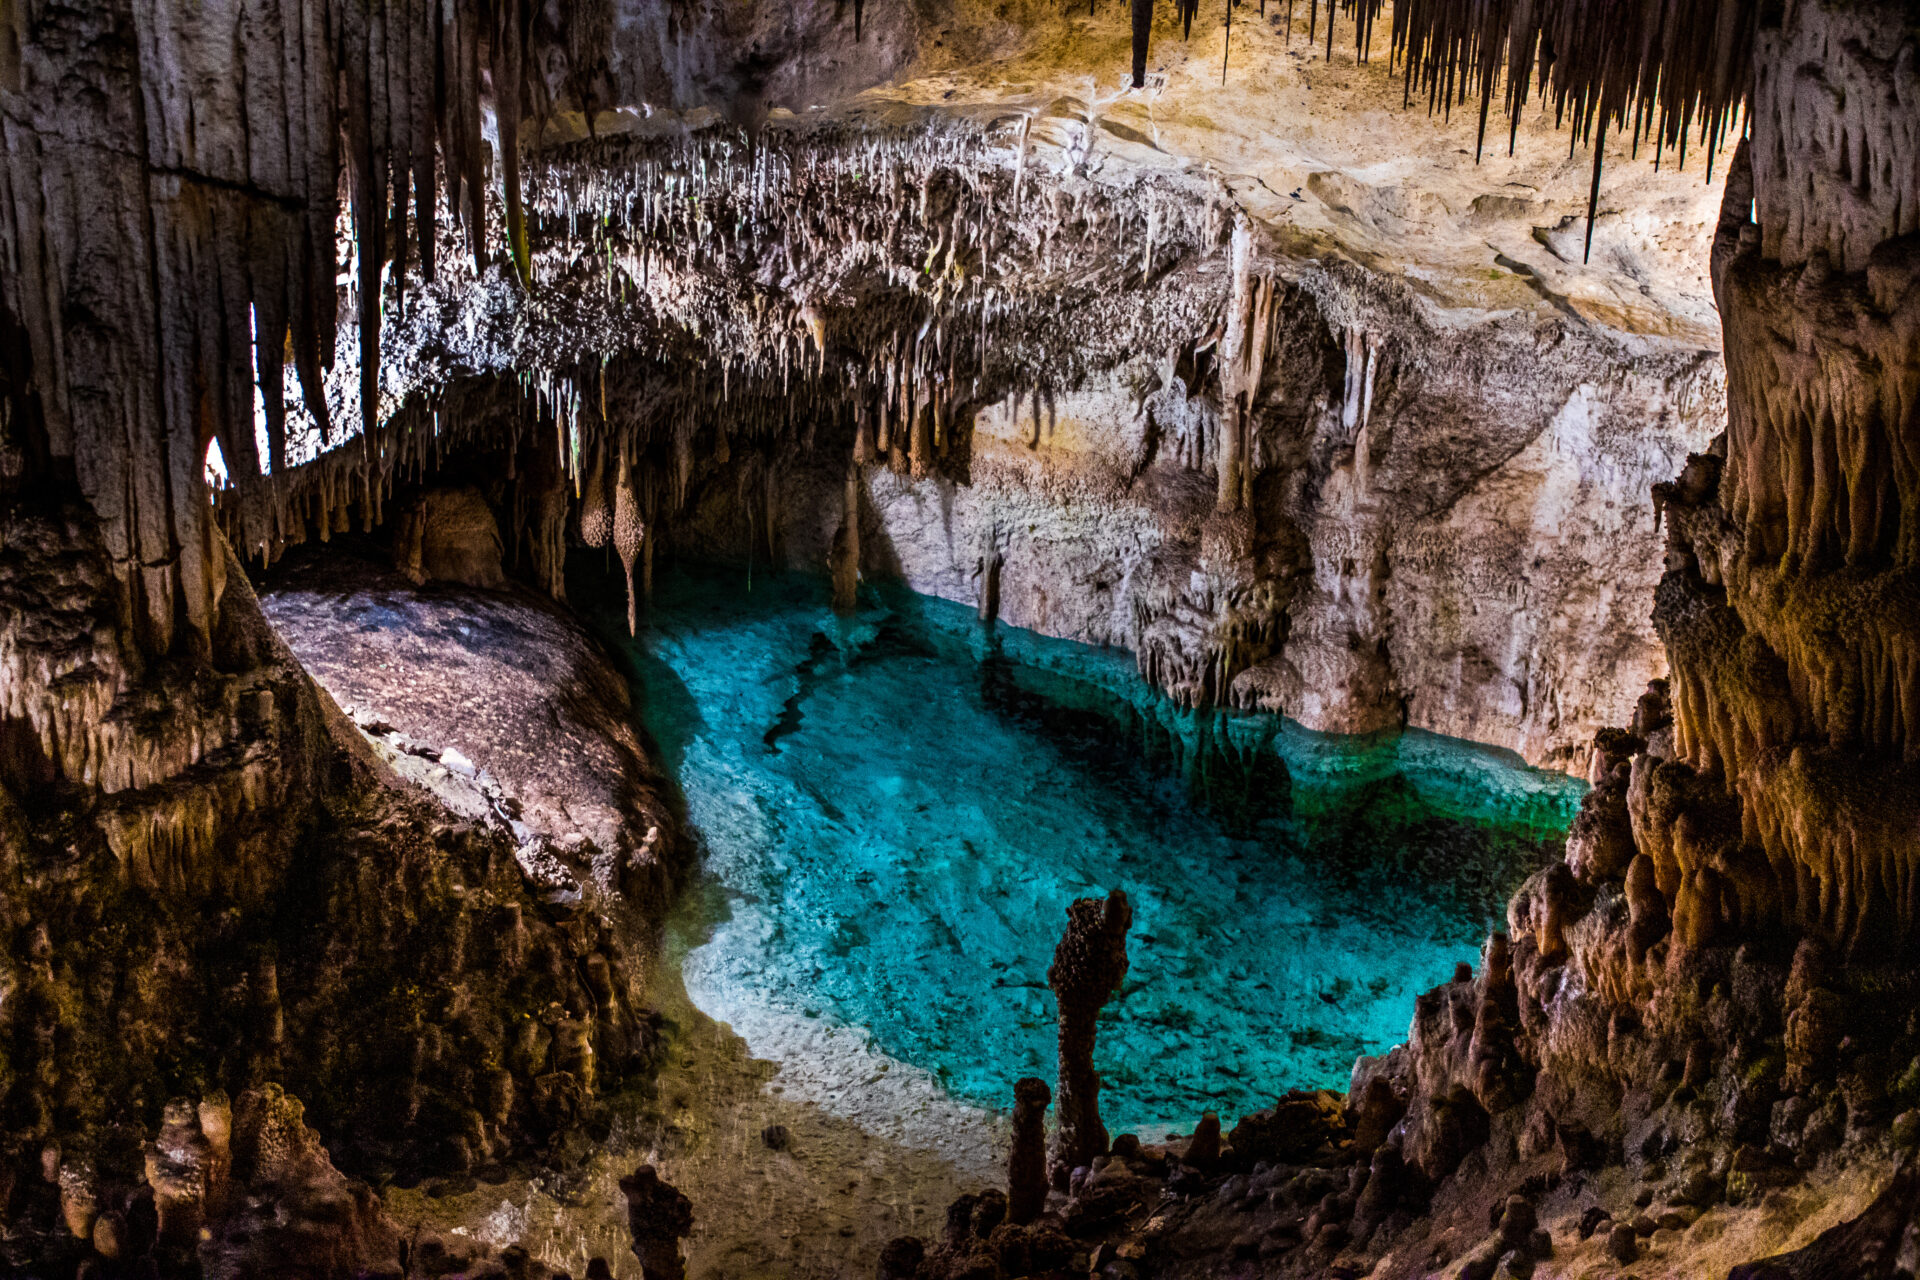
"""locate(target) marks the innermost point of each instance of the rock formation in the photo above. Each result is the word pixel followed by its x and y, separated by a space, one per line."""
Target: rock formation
pixel 1088 967
pixel 190 856
pixel 1027 1154
pixel 1682 1004
pixel 449 536
pixel 659 1217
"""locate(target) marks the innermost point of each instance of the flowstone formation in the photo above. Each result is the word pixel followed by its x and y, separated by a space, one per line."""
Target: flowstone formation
pixel 1106 407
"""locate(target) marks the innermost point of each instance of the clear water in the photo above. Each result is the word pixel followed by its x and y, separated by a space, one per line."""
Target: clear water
pixel 896 809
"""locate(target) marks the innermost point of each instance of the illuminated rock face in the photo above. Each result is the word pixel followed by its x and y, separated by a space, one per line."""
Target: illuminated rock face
pixel 1440 514
pixel 211 878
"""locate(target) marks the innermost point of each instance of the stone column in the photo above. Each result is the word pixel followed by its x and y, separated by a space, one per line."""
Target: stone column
pixel 1088 967
pixel 659 1217
pixel 1027 1160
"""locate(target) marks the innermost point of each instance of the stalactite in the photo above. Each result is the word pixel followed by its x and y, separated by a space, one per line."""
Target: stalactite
pixel 1597 62
pixel 1593 194
pixel 1142 15
pixel 628 531
pixel 240 242
pixel 1226 40
pixel 1237 363
pixel 596 512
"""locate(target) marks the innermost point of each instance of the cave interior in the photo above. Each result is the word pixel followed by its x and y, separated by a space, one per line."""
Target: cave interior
pixel 936 639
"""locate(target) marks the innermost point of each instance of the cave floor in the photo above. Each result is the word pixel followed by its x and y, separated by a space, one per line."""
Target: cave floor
pixel 823 1206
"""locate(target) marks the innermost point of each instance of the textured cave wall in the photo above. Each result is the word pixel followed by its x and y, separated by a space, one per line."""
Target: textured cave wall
pixel 742 59
pixel 1790 609
pixel 1738 906
pixel 1445 521
pixel 1712 996
pixel 1835 170
pixel 205 883
pixel 1469 551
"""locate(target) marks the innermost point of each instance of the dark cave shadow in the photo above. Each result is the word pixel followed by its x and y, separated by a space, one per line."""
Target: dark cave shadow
pixel 599 595
pixel 666 718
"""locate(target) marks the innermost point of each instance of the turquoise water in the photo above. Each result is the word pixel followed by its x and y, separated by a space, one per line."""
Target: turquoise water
pixel 895 810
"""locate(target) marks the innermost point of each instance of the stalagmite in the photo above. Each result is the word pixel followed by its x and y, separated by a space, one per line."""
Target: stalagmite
pixel 659 1216
pixel 1027 1152
pixel 1088 967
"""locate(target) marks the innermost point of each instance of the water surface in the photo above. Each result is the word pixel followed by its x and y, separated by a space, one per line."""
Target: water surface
pixel 895 810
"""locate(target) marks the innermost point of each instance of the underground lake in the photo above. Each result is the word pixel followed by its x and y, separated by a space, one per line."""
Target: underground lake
pixel 895 808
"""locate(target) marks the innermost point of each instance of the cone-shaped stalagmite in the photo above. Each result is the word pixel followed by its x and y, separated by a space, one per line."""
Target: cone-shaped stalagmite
pixel 1088 967
pixel 1027 1158
pixel 628 532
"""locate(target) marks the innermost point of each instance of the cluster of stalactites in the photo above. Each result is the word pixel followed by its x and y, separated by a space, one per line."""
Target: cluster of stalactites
pixel 1667 69
pixel 1813 524
pixel 881 281
pixel 160 289
pixel 937 217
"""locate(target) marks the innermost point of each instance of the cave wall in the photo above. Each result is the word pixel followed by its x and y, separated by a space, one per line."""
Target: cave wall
pixel 1789 605
pixel 206 883
pixel 1724 957
pixel 1467 547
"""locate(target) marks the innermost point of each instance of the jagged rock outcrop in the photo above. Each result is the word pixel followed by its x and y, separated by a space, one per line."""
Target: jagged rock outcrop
pixel 204 876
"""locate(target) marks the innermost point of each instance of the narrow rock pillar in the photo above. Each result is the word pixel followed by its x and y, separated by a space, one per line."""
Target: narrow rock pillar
pixel 1027 1159
pixel 659 1217
pixel 845 556
pixel 1088 967
pixel 1232 456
